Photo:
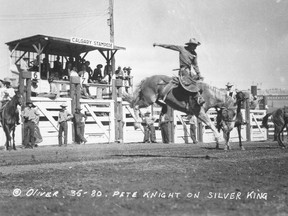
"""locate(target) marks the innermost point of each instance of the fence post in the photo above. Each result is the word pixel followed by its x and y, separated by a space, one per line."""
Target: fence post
pixel 171 130
pixel 247 117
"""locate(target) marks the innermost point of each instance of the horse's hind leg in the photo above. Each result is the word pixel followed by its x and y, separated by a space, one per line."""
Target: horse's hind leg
pixel 279 130
pixel 239 136
pixel 226 135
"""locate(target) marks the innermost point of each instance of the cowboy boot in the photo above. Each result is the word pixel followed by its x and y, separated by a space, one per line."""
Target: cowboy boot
pixel 199 99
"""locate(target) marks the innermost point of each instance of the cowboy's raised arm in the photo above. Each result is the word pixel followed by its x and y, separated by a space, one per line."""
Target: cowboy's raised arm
pixel 168 46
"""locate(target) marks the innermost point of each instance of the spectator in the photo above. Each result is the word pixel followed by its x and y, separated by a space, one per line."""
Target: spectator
pixel 70 61
pixel 58 67
pixel 84 81
pixel 79 120
pixel 6 94
pixel 108 72
pixel 163 124
pixel 129 76
pixel 63 117
pixel 53 88
pixel 149 129
pixel 24 64
pixel 35 64
pixel 254 104
pixel 30 116
pixel 34 87
pixel 119 73
pixel 45 69
pixel 97 75
pixel 37 133
pixel 230 91
pixel 67 70
pixel 73 72
pixel 9 92
pixel 88 69
pixel 2 88
pixel 193 128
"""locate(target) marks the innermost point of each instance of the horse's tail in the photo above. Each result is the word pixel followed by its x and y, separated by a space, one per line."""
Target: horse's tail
pixel 265 120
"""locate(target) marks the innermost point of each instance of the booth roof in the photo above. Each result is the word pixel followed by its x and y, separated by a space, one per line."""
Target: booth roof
pixel 54 45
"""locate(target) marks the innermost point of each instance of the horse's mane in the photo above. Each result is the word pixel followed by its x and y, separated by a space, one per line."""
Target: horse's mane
pixel 219 93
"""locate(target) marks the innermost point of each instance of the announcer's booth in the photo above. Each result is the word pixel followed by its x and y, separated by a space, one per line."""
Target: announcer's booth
pixel 37 58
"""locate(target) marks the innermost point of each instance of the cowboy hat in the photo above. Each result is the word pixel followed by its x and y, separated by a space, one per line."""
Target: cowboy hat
pixel 63 105
pixel 7 81
pixel 50 79
pixel 128 68
pixel 147 113
pixel 193 41
pixel 99 65
pixel 229 84
pixel 34 81
pixel 29 102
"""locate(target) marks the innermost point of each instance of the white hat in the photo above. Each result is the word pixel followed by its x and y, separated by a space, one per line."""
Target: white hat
pixel 229 84
pixel 63 105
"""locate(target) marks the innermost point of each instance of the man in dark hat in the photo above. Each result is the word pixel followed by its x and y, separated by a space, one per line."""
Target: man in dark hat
pixel 187 59
pixel 97 74
pixel 79 120
pixel 30 116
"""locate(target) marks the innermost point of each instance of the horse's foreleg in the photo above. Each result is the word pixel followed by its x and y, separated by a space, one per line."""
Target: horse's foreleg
pixel 8 137
pixel 226 135
pixel 206 120
pixel 239 136
pixel 13 137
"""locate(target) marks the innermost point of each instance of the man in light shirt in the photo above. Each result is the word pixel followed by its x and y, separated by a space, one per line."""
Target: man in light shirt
pixel 63 117
pixel 30 116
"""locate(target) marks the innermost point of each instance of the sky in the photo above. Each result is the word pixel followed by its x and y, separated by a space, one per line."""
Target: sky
pixel 242 41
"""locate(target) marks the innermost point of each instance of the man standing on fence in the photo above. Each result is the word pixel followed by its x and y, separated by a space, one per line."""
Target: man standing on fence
pixel 80 119
pixel 63 117
pixel 30 116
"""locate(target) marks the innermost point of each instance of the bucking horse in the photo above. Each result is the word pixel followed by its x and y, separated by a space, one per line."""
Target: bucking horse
pixel 280 121
pixel 151 90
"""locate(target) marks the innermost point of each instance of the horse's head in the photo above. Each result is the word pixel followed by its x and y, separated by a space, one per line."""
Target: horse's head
pixel 226 118
pixel 242 96
pixel 18 98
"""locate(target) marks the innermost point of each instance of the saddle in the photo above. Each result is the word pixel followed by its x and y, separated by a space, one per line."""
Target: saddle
pixel 189 83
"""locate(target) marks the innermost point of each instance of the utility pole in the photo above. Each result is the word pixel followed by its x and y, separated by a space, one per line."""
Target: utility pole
pixel 118 104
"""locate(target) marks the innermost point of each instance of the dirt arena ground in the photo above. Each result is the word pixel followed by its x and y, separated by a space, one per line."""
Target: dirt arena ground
pixel 145 179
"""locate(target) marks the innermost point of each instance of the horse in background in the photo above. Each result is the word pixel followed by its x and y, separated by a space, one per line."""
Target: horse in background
pixel 280 120
pixel 230 117
pixel 151 89
pixel 9 115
